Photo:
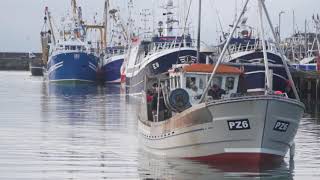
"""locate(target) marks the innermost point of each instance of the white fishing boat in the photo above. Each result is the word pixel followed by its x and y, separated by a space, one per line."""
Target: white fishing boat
pixel 152 57
pixel 180 117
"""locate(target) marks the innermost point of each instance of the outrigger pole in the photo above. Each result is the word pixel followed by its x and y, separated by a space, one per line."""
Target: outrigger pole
pixel 261 6
pixel 223 52
pixel 281 52
pixel 268 85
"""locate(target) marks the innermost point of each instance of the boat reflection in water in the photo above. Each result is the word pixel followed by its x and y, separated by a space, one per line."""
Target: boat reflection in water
pixel 72 89
pixel 153 167
pixel 72 102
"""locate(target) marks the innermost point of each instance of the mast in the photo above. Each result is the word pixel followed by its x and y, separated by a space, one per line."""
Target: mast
pixel 145 13
pixel 130 20
pixel 74 9
pixel 170 18
pixel 265 55
pixel 106 10
pixel 293 49
pixel 294 22
pixel 223 51
pixel 117 19
pixel 305 39
pixel 199 32
pixel 48 14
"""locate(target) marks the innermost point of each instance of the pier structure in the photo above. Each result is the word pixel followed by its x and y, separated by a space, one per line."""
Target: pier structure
pixel 17 60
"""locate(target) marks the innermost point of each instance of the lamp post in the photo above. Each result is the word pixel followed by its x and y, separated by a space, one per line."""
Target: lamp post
pixel 282 12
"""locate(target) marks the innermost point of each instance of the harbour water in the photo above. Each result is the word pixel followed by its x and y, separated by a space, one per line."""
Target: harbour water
pixel 63 131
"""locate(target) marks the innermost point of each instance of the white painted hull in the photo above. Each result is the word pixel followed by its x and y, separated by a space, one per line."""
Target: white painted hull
pixel 203 133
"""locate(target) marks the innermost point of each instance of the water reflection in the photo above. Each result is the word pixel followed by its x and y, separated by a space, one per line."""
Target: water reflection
pixel 155 168
pixel 89 132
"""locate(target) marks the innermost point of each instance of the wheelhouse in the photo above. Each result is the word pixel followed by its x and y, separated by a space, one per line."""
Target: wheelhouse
pixel 193 78
pixel 183 86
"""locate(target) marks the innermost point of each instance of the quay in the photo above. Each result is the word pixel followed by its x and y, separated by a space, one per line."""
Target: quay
pixel 307 84
pixel 17 60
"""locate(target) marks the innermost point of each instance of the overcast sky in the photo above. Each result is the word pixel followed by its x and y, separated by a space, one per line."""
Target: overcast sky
pixel 22 20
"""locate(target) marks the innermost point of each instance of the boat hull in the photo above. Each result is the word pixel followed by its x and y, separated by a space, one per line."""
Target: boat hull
pixel 36 67
pixel 254 70
pixel 72 67
pixel 157 64
pixel 254 76
pixel 112 69
pixel 252 130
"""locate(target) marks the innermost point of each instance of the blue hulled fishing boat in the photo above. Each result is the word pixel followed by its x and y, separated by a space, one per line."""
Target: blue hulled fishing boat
pixel 72 57
pixel 245 51
pixel 112 64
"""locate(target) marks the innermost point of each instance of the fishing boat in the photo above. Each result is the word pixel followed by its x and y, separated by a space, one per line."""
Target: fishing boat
pixel 35 65
pixel 303 50
pixel 152 57
pixel 202 112
pixel 112 64
pixel 115 52
pixel 72 57
pixel 245 51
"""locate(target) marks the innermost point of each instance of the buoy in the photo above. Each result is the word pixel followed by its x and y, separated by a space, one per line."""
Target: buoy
pixel 278 92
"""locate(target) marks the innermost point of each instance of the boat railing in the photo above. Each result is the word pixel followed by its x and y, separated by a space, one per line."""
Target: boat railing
pixel 115 52
pixel 236 48
pixel 160 46
pixel 241 97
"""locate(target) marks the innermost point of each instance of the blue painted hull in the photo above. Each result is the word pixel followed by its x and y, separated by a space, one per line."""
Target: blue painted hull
pixel 73 67
pixel 254 74
pixel 112 72
pixel 135 85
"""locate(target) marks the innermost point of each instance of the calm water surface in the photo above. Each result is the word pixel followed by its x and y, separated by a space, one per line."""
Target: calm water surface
pixel 51 131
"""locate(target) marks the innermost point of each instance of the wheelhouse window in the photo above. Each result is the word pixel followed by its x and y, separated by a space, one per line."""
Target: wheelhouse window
pixel 67 48
pixel 72 48
pixel 217 81
pixel 230 83
pixel 190 82
pixel 201 83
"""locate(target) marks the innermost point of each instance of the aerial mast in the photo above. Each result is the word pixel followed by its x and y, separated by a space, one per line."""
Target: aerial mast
pixel 106 11
pixel 130 20
pixel 170 17
pixel 74 8
pixel 113 13
pixel 199 33
pixel 48 15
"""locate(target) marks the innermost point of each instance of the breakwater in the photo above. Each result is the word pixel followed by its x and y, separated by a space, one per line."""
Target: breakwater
pixel 17 60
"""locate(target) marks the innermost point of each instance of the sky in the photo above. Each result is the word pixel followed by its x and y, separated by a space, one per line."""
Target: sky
pixel 21 20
